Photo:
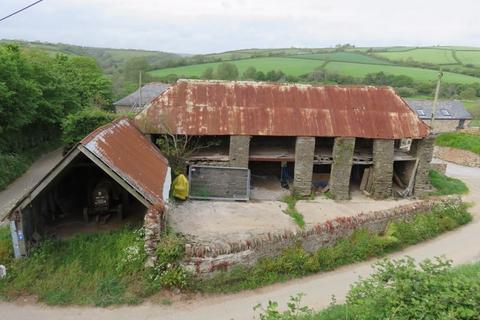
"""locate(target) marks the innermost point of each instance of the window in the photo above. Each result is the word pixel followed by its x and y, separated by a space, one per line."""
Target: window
pixel 421 112
pixel 445 112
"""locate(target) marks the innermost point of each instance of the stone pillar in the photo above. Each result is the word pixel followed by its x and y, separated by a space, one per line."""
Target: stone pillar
pixel 382 168
pixel 423 150
pixel 239 151
pixel 153 224
pixel 304 153
pixel 341 168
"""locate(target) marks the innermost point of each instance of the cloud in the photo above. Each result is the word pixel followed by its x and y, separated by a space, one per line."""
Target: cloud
pixel 190 26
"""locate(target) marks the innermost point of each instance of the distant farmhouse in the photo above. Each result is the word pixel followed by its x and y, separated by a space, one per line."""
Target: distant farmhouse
pixel 450 116
pixel 135 101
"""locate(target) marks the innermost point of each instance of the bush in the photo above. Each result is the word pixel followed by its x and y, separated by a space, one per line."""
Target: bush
pixel 463 141
pixel 361 245
pixel 6 249
pixel 445 185
pixel 78 125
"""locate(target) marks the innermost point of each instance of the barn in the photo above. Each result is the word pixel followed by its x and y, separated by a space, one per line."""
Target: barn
pixel 345 137
pixel 113 176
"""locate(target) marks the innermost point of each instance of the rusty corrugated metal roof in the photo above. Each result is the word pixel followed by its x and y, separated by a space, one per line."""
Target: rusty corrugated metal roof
pixel 126 151
pixel 198 107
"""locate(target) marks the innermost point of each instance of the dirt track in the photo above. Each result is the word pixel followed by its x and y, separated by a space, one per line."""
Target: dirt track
pixel 460 245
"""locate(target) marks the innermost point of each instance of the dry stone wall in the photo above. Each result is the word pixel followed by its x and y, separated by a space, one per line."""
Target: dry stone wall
pixel 458 156
pixel 206 258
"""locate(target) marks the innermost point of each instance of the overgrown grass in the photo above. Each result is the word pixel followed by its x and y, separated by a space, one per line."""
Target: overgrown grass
pixel 446 185
pixel 362 244
pixel 13 165
pixel 457 140
pixel 93 269
pixel 291 201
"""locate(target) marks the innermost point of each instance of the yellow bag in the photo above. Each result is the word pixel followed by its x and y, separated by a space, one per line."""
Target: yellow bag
pixel 180 187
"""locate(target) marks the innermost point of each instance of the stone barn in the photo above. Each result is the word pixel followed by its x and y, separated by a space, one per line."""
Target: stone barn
pixel 339 138
pixel 113 176
pixel 451 115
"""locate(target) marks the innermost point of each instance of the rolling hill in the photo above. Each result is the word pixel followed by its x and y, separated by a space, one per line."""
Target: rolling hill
pixel 421 64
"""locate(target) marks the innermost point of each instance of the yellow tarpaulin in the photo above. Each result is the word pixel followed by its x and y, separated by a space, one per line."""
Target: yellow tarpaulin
pixel 180 187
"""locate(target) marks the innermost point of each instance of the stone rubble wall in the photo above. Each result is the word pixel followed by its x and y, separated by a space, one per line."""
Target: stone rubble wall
pixel 239 151
pixel 423 150
pixel 206 258
pixel 154 224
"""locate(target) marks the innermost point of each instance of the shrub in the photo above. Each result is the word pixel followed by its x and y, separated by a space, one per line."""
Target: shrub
pixel 445 185
pixel 6 249
pixel 78 125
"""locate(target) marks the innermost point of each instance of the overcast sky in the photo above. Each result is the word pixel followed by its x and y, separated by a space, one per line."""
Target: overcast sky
pixel 202 26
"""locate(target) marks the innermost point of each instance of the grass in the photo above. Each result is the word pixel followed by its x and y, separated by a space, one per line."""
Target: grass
pixel 291 201
pixel 294 262
pixel 13 165
pixel 426 55
pixel 101 269
pixel 457 140
pixel 446 185
pixel 290 66
pixel 358 70
pixel 342 57
pixel 469 57
pixel 473 106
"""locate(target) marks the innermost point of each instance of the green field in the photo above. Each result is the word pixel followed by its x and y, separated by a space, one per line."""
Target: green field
pixel 417 74
pixel 290 66
pixel 436 56
pixel 469 57
pixel 343 57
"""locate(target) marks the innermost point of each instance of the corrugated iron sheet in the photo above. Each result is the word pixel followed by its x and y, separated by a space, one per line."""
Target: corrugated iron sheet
pixel 196 107
pixel 126 151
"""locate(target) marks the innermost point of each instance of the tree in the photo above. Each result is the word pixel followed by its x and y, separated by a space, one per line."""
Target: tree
pixel 227 71
pixel 133 67
pixel 250 73
pixel 207 74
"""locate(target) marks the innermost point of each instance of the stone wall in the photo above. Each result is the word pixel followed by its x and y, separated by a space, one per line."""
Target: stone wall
pixel 440 126
pixel 304 154
pixel 154 224
pixel 423 150
pixel 341 168
pixel 458 156
pixel 205 258
pixel 440 167
pixel 239 151
pixel 382 168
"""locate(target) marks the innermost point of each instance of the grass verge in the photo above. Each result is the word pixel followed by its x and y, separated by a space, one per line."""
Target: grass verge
pixel 294 262
pixel 401 289
pixel 99 269
pixel 14 165
pixel 291 201
pixel 446 185
pixel 457 140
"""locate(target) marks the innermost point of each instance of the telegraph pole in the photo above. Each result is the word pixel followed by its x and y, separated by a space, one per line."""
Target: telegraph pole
pixel 140 89
pixel 435 100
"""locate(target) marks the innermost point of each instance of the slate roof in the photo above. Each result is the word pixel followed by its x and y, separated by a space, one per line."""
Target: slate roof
pixel 446 109
pixel 199 107
pixel 149 92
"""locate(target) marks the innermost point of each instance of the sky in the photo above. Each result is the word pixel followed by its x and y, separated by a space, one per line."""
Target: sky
pixel 205 26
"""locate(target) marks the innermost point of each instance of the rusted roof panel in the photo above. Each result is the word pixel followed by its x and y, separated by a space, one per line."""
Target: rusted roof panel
pixel 126 151
pixel 197 107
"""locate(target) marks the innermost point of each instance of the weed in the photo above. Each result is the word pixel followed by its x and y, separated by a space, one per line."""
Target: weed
pixel 291 201
pixel 445 185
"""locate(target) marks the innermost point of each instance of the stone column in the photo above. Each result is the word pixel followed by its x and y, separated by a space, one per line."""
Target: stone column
pixel 239 151
pixel 341 168
pixel 423 150
pixel 153 224
pixel 304 154
pixel 382 168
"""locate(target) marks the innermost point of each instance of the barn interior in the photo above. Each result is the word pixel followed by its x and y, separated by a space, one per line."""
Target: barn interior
pixel 80 198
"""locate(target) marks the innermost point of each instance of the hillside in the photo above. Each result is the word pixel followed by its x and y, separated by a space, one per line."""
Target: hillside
pixel 109 59
pixel 460 64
